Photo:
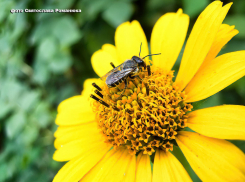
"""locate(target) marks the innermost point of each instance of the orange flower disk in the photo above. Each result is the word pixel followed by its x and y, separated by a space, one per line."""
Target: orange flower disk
pixel 143 122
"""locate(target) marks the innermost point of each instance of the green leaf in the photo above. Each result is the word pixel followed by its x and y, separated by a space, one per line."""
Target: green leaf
pixel 11 91
pixel 19 26
pixel 15 124
pixel 47 49
pixel 194 7
pixel 45 54
pixel 28 135
pixel 13 165
pixel 29 99
pixel 41 30
pixel 5 108
pixel 41 73
pixel 3 171
pixel 64 4
pixel 60 63
pixel 118 12
pixel 67 92
pixel 91 9
pixel 238 21
pixel 66 31
pixel 5 8
pixel 5 47
pixel 41 115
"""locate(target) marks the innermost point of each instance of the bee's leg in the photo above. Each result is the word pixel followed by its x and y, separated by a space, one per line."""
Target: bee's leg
pixel 96 86
pixel 135 76
pixel 99 93
pixel 99 100
pixel 146 86
pixel 126 84
pixel 112 65
pixel 98 90
pixel 148 67
pixel 103 102
pixel 149 70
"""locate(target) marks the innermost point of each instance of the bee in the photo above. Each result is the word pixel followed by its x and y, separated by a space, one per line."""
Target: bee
pixel 128 69
pixel 120 73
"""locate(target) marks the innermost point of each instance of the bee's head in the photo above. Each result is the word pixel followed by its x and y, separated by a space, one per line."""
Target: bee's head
pixel 139 61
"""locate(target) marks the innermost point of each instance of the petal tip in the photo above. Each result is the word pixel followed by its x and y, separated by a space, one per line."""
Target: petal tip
pixel 180 11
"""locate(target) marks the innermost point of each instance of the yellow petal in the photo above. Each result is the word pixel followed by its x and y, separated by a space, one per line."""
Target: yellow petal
pixel 168 169
pixel 143 172
pixel 74 117
pixel 72 101
pixel 168 36
pixel 73 111
pixel 77 109
pixel 102 58
pixel 75 169
pixel 212 159
pixel 112 168
pixel 128 38
pixel 88 88
pixel 75 148
pixel 111 49
pixel 62 130
pixel 224 35
pixel 130 171
pixel 213 77
pixel 224 122
pixel 200 41
pixel 77 132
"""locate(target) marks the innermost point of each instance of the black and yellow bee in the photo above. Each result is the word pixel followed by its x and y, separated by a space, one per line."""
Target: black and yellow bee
pixel 128 69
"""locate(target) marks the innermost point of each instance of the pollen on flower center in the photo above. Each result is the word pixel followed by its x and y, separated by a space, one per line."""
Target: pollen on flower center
pixel 144 119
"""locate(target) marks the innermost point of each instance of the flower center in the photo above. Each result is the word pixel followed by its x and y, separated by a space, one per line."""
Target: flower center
pixel 148 116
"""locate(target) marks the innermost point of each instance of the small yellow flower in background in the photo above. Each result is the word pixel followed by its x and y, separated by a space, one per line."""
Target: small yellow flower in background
pixel 112 140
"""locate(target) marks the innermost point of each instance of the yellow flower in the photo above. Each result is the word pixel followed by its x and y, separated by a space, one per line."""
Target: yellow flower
pixel 112 139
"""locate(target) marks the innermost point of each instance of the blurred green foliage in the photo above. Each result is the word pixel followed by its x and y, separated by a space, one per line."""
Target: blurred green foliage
pixel 45 57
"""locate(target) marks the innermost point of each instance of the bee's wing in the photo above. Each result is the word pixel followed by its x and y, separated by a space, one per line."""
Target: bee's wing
pixel 116 76
pixel 118 68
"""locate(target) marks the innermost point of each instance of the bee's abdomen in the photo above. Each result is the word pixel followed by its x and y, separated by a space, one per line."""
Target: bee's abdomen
pixel 114 83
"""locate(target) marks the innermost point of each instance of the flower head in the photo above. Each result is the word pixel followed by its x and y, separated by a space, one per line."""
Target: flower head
pixel 148 115
pixel 140 112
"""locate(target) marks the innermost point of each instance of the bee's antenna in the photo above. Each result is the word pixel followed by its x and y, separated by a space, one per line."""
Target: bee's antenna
pixel 151 55
pixel 140 48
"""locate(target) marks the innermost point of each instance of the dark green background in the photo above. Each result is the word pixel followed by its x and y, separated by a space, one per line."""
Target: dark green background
pixel 45 57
